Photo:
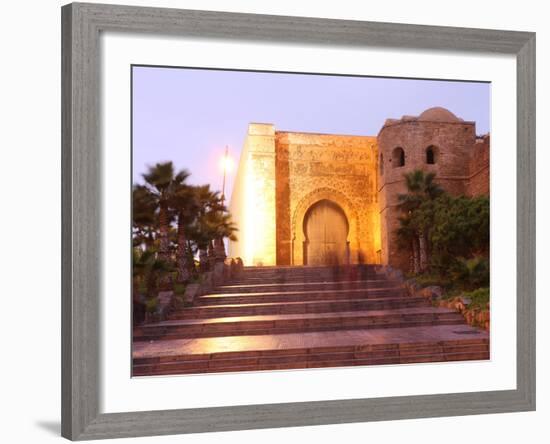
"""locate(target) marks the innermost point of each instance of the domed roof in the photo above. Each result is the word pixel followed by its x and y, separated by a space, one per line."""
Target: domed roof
pixel 438 114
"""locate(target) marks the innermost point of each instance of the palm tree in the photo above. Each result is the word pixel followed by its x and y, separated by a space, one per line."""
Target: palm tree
pixel 159 180
pixel 407 238
pixel 186 206
pixel 421 188
pixel 212 225
pixel 144 225
pixel 202 221
pixel 204 198
pixel 224 226
pixel 221 227
pixel 148 271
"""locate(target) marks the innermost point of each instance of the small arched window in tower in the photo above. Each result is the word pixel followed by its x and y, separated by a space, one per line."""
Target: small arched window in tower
pixel 398 157
pixel 430 155
pixel 381 164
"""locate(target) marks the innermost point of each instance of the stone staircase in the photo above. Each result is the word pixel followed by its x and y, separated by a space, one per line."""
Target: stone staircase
pixel 304 317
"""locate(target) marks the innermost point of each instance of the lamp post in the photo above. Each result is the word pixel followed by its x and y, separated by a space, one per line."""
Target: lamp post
pixel 225 165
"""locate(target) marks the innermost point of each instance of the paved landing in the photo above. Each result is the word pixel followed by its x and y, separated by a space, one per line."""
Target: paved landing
pixel 339 314
pixel 370 282
pixel 355 338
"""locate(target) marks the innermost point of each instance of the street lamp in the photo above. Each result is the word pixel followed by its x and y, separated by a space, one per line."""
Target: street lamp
pixel 227 166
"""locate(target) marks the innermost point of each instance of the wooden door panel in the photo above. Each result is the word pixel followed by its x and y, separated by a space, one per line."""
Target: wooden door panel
pixel 326 230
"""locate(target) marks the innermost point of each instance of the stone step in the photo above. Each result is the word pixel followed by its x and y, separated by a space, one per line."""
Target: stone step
pixel 299 296
pixel 215 311
pixel 309 277
pixel 289 269
pixel 279 324
pixel 281 281
pixel 311 350
pixel 315 361
pixel 305 274
pixel 301 286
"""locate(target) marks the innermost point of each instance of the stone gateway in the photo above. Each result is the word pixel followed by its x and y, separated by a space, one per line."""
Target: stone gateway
pixel 324 199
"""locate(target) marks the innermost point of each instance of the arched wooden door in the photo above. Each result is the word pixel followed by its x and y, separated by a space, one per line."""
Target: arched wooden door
pixel 326 230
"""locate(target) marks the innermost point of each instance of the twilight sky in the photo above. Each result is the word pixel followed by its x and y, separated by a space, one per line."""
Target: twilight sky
pixel 189 115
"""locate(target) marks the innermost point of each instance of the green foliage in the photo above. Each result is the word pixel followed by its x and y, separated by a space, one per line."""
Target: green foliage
pixel 147 271
pixel 479 298
pixel 421 187
pixel 416 221
pixel 151 305
pixel 447 236
pixel 172 220
pixel 471 273
pixel 406 232
pixel 159 178
pixel 179 289
pixel 145 222
pixel 429 279
pixel 459 226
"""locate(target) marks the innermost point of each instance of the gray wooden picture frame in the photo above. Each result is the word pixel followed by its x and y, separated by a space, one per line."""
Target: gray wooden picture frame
pixel 81 231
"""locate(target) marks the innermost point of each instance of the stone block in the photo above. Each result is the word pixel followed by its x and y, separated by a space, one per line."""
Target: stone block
pixel 433 292
pixel 207 283
pixel 166 302
pixel 191 292
pixel 227 264
pixel 411 286
pixel 218 273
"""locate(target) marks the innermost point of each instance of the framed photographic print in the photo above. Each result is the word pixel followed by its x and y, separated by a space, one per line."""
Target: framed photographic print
pixel 278 221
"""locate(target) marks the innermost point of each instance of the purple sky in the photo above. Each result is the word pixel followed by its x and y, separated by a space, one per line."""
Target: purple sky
pixel 189 115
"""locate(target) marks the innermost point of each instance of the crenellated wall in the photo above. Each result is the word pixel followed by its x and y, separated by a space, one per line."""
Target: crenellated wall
pixel 283 174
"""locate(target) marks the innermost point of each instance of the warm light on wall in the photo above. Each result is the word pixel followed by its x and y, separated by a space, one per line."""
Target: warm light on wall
pixel 256 198
pixel 251 223
pixel 377 237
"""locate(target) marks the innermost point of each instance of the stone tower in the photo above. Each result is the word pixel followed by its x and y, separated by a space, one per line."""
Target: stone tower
pixel 436 141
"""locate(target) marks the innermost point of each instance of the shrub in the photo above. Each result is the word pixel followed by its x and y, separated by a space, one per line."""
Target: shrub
pixel 429 279
pixel 179 288
pixel 151 305
pixel 437 228
pixel 470 273
pixel 479 298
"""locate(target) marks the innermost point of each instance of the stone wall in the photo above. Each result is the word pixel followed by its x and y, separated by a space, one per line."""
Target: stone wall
pixel 479 182
pixel 253 200
pixel 313 167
